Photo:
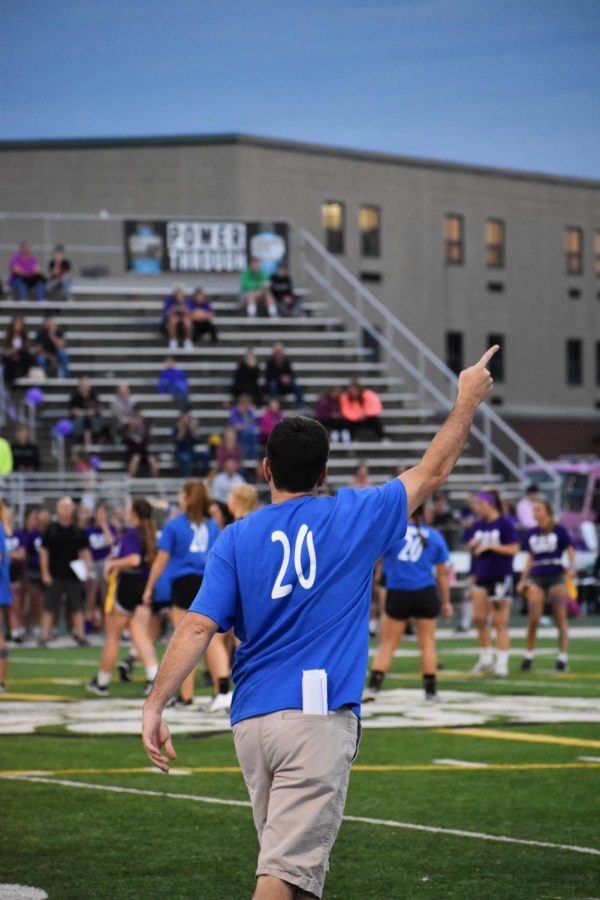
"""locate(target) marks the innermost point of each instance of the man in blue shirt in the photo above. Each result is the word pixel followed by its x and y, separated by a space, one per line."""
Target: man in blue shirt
pixel 294 581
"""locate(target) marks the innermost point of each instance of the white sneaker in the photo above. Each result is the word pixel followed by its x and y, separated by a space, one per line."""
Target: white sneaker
pixel 273 311
pixel 220 703
pixel 187 344
pixel 501 670
pixel 480 667
pixel 432 699
pixel 173 345
pixel 346 436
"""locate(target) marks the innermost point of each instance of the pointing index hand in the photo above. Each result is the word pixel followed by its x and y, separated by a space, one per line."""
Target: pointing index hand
pixel 487 356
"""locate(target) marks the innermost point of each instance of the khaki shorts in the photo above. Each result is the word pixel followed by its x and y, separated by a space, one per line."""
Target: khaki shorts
pixel 296 769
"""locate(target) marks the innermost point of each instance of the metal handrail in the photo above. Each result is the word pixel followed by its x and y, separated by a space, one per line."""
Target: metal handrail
pixel 393 328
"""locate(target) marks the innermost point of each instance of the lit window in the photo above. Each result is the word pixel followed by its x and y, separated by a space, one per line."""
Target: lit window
pixel 574 250
pixel 494 244
pixel 369 221
pixel 333 225
pixel 454 239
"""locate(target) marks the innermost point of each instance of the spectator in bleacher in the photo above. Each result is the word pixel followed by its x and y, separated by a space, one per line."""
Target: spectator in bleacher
pixel 177 319
pixel 327 412
pixel 361 477
pixel 188 460
pixel 279 376
pixel 256 288
pixel 225 480
pixel 26 274
pixel 50 349
pixel 60 281
pixel 361 408
pixel 136 437
pixel 26 457
pixel 288 303
pixel 203 316
pixel 229 448
pixel 85 409
pixel 243 418
pixel 174 381
pixel 269 419
pixel 525 516
pixel 121 411
pixel 247 379
pixel 17 358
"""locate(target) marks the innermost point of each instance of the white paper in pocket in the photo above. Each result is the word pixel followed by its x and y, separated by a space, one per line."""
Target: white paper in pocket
pixel 314 692
pixel 80 569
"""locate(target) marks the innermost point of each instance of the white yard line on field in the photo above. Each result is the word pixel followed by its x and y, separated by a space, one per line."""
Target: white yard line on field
pixel 363 820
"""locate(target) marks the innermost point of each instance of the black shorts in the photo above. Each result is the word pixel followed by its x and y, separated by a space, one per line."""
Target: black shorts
pixel 184 590
pixel 70 588
pixel 497 589
pixel 160 609
pixel 129 592
pixel 545 582
pixel 422 604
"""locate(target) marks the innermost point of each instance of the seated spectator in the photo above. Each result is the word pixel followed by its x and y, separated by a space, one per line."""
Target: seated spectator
pixel 279 376
pixel 226 480
pixel 361 477
pixel 188 459
pixel 244 421
pixel 50 348
pixel 229 448
pixel 327 412
pixel 177 319
pixel 361 408
pixel 247 379
pixel 525 515
pixel 441 517
pixel 59 274
pixel 136 437
pixel 174 381
pixel 121 410
pixel 17 358
pixel 26 457
pixel 288 303
pixel 255 288
pixel 26 274
pixel 269 419
pixel 203 316
pixel 85 409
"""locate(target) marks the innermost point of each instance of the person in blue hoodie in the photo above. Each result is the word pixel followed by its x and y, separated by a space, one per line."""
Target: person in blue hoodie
pixel 174 381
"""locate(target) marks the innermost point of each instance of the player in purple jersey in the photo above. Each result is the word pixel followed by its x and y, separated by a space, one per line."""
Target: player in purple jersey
pixel 493 544
pixel 543 579
pixel 5 592
pixel 102 536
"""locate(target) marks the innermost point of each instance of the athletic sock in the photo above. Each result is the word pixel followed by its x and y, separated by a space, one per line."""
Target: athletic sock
pixel 486 656
pixel 376 679
pixel 103 679
pixel 502 657
pixel 223 685
pixel 151 672
pixel 430 685
pixel 466 617
pixel 529 654
pixel 563 657
pixel 251 309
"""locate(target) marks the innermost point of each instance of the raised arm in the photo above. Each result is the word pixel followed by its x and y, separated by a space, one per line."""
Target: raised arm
pixel 474 384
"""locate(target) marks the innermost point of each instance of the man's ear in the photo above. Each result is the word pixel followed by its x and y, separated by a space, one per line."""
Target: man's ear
pixel 266 469
pixel 322 477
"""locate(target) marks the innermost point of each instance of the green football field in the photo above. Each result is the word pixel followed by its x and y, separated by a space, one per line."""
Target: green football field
pixel 495 792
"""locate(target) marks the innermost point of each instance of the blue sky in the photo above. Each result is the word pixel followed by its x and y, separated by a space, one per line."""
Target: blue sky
pixel 512 83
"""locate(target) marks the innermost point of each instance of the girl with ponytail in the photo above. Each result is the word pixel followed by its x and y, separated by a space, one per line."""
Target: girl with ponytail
pixel 126 573
pixel 182 550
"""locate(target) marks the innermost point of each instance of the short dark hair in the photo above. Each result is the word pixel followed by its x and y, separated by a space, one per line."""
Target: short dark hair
pixel 297 450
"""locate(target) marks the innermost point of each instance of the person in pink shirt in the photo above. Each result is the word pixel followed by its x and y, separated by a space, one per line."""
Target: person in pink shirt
pixel 269 419
pixel 361 408
pixel 25 274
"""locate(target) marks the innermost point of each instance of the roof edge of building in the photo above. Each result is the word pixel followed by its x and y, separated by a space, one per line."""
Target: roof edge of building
pixel 292 146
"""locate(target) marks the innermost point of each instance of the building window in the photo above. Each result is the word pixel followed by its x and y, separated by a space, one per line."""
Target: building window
pixel 574 347
pixel 454 227
pixel 597 253
pixel 496 364
pixel 333 225
pixel 494 244
pixel 454 351
pixel 369 221
pixel 574 251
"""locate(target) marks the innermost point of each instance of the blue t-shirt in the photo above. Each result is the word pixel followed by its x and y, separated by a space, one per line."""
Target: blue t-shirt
pixel 294 581
pixel 408 564
pixel 187 544
pixel 5 591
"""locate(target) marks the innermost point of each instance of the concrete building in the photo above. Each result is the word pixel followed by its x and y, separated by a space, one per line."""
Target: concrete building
pixel 463 255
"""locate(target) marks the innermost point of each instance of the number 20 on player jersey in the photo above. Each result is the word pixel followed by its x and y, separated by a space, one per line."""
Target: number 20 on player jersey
pixel 304 534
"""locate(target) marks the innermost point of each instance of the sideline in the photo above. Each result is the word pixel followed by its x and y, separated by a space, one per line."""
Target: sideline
pixel 363 820
pixel 525 737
